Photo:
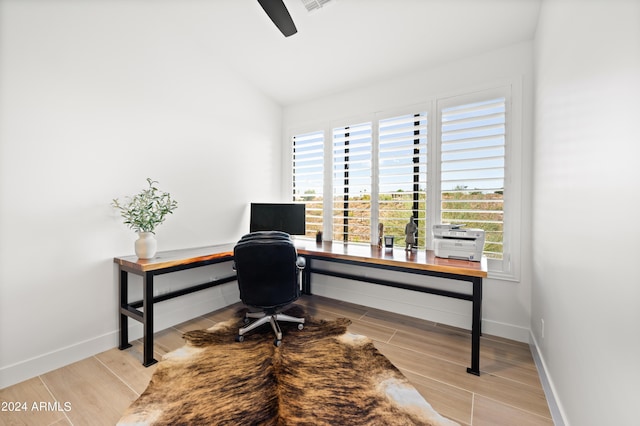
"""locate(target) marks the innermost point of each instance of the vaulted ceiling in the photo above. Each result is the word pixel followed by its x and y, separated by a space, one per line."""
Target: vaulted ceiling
pixel 342 45
pixel 349 43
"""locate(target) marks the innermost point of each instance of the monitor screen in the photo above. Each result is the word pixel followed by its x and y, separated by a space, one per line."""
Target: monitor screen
pixel 289 218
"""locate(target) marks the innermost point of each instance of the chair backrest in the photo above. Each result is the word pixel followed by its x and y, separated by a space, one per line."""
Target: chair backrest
pixel 275 235
pixel 266 270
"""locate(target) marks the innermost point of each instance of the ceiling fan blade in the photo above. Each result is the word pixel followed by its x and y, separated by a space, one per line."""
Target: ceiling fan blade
pixel 279 14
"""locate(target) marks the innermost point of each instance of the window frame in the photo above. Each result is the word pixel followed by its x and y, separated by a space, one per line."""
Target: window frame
pixel 348 178
pixel 312 136
pixel 504 268
pixel 385 115
pixel 507 268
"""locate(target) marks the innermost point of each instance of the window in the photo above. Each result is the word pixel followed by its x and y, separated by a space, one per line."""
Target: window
pixel 308 177
pixel 402 174
pixel 352 155
pixel 446 161
pixel 472 162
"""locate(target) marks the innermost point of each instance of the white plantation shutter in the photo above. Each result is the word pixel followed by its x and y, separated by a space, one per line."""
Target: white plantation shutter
pixel 308 177
pixel 472 168
pixel 352 162
pixel 450 160
pixel 402 174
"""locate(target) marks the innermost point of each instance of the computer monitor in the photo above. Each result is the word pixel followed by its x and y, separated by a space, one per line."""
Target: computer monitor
pixel 285 217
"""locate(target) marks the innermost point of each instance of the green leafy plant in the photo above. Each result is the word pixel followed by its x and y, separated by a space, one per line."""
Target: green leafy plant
pixel 146 210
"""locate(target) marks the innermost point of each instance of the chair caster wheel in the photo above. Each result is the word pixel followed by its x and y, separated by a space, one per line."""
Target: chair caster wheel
pixel 239 338
pixel 277 343
pixel 246 321
pixel 300 326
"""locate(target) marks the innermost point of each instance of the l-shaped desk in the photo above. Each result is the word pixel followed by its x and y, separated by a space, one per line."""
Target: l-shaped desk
pixel 416 262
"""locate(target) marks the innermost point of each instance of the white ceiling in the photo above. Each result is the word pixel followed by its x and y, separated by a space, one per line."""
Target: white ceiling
pixel 350 43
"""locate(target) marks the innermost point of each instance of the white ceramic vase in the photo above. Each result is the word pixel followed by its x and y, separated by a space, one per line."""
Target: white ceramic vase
pixel 146 245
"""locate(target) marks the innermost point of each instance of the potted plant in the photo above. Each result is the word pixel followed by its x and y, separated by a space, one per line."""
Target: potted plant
pixel 143 213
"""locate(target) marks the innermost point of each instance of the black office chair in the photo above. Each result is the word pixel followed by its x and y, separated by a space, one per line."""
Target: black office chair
pixel 268 270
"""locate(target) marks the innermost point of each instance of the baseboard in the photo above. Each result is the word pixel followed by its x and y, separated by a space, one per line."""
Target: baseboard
pixel 405 302
pixel 506 331
pixel 41 364
pixel 168 314
pixel 557 413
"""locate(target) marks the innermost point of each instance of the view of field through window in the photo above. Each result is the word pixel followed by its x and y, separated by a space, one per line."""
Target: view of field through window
pixel 468 187
pixel 308 178
pixel 472 169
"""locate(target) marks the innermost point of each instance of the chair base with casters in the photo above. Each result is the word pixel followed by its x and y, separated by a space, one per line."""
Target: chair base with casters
pixel 269 276
pixel 264 318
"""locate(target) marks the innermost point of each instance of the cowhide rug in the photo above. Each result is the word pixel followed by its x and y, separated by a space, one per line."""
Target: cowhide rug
pixel 320 375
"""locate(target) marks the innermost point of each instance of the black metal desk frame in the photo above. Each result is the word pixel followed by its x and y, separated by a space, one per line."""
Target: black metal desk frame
pixel 131 309
pixel 475 297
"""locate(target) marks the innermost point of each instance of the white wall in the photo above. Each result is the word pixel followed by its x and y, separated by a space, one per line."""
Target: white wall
pixel 97 96
pixel 585 246
pixel 506 304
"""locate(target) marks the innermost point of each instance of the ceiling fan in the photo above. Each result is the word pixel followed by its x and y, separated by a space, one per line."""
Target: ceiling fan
pixel 277 11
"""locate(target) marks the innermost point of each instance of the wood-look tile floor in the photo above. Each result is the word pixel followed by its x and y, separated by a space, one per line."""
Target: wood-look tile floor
pixel 434 357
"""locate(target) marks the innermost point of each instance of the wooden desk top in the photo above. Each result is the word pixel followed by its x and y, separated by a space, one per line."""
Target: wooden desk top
pixel 420 259
pixel 171 258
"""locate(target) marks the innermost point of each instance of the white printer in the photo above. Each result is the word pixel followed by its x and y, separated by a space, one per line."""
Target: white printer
pixel 454 242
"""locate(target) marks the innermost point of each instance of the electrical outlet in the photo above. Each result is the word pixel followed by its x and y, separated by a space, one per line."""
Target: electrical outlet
pixel 542 328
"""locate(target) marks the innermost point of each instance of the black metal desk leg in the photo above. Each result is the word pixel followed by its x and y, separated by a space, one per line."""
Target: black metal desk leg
pixel 306 277
pixel 124 301
pixel 147 306
pixel 476 327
